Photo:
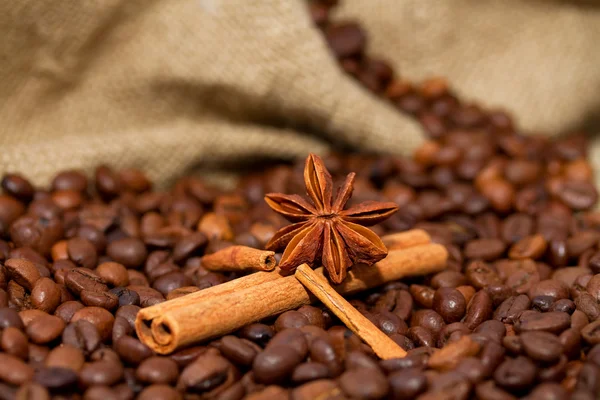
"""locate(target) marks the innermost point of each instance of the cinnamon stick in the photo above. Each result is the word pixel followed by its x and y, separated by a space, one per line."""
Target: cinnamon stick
pixel 382 345
pixel 240 258
pixel 200 316
pixel 403 240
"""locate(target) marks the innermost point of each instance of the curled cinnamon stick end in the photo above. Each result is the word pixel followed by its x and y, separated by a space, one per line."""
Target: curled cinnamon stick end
pixel 403 240
pixel 240 258
pixel 382 345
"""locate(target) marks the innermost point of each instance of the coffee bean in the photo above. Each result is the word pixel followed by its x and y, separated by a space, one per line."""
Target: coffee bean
pixel 14 342
pixel 550 287
pixel 9 317
pixel 275 364
pixel 510 309
pixel 364 383
pixel 99 317
pixel 258 333
pixel 208 375
pixel 45 295
pixel 126 296
pixel 239 351
pixel 23 272
pixel 532 247
pixel 407 384
pixel 315 315
pixel 541 346
pixel 450 355
pixel 588 305
pixel 515 374
pixel 45 329
pixel 480 309
pixel 157 370
pixel 132 350
pixel 105 300
pixel 480 274
pixel 80 279
pixel 291 337
pixel 67 309
pixel 429 320
pixel 113 273
pixel 130 252
pixel 484 249
pixel 14 371
pixel 310 371
pixel 450 304
pixel 591 333
pixel 31 390
pixel 554 322
pixel 55 378
pixel 422 295
pixel 160 392
pixel 101 373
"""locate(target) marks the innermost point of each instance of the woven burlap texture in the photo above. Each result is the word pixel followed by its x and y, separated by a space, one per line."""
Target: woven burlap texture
pixel 166 85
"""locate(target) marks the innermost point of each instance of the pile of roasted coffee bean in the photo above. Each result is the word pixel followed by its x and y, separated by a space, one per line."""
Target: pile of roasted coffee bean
pixel 516 313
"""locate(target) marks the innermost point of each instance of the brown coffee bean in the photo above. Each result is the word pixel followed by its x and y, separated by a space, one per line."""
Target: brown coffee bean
pixel 157 370
pixel 480 309
pixel 130 252
pixel 261 334
pixel 552 288
pixel 10 317
pixel 14 342
pixel 448 279
pixel 275 364
pixel 45 329
pixel 407 384
pixel 515 374
pixel 422 295
pixel 105 300
pixel 132 350
pixel 484 249
pixel 481 274
pixel 209 374
pixel 14 371
pixel 66 357
pixel 588 305
pixel 32 390
pixel 160 392
pixel 80 279
pixel 532 247
pixel 591 333
pixel 101 373
pixel 450 304
pixel 578 195
pixel 99 317
pixel 45 295
pixel 429 320
pixel 67 309
pixel 113 273
pixel 23 272
pixel 517 227
pixel 239 351
pixel 17 186
pixel 553 321
pixel 541 346
pixel 55 378
pixel 291 337
pixel 315 315
pixel 364 383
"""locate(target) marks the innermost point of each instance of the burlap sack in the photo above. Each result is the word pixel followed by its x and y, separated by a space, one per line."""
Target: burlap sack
pixel 167 85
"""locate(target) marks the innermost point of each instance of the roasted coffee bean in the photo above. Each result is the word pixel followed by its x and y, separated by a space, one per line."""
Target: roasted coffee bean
pixel 450 304
pixel 310 371
pixel 55 378
pixel 554 322
pixel 275 364
pixel 23 272
pixel 45 329
pixel 67 309
pixel 80 279
pixel 126 296
pixel 129 252
pixel 484 249
pixel 10 317
pixel 541 346
pixel 83 335
pixel 258 333
pixel 588 305
pixel 160 392
pixel 239 351
pixel 113 273
pixel 99 317
pixel 66 357
pixel 101 373
pixel 14 371
pixel 208 375
pixel 480 309
pixel 291 337
pixel 364 383
pixel 105 300
pixel 515 374
pixel 429 320
pixel 14 342
pixel 157 370
pixel 532 247
pixel 481 274
pixel 132 350
pixel 591 333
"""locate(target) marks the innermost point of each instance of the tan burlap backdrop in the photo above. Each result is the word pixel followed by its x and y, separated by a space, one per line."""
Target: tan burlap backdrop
pixel 167 85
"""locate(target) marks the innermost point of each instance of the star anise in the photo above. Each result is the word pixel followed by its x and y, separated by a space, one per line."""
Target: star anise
pixel 323 229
